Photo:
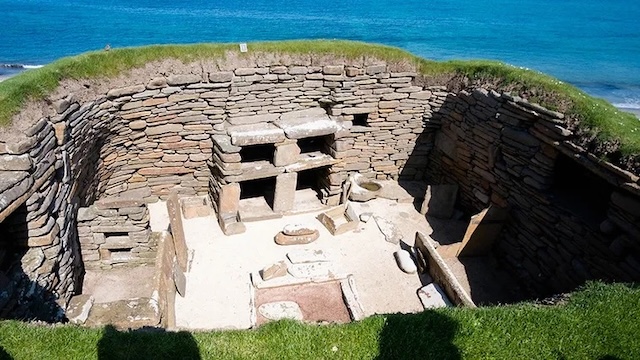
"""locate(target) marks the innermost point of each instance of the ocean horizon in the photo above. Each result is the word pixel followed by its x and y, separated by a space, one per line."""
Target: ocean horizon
pixel 591 44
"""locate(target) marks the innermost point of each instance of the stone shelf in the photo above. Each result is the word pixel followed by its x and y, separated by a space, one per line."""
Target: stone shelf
pixel 310 160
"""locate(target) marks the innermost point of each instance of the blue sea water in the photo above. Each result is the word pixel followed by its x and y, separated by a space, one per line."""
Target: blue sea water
pixel 593 44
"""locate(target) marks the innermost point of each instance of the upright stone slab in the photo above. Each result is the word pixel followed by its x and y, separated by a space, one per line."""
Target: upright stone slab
pixel 286 154
pixel 229 198
pixel 284 197
pixel 177 230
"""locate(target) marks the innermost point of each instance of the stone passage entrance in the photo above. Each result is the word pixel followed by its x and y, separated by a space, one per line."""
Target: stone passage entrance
pixel 272 165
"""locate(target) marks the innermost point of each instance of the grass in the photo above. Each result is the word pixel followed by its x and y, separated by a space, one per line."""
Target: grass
pixel 601 118
pixel 599 322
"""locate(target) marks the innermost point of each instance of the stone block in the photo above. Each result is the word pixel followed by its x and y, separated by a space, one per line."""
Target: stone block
pixel 118 202
pixel 118 242
pixel 276 270
pixel 183 79
pixel 221 77
pixel 229 198
pixel 286 154
pixel 432 296
pixel 265 133
pixel 306 123
pixel 130 90
pixel 252 119
pixel 195 207
pixel 15 162
pixel 79 307
pixel 284 196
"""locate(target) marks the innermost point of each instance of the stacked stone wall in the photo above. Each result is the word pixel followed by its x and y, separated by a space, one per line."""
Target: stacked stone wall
pixel 505 152
pixel 150 136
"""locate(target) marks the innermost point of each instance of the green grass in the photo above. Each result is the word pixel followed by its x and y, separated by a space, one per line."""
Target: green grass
pixel 604 120
pixel 599 322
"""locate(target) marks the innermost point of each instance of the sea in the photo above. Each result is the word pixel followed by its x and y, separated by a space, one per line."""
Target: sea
pixel 592 44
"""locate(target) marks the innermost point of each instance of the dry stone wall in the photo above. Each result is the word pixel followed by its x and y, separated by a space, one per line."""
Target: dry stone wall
pixel 573 216
pixel 183 131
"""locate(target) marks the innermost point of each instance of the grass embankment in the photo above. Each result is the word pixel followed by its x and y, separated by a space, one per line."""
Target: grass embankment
pixel 606 122
pixel 599 322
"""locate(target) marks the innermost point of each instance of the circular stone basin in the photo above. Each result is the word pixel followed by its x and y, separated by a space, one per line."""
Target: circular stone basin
pixel 371 186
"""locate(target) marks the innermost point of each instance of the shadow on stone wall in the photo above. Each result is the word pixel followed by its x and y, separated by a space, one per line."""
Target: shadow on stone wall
pixel 146 343
pixel 21 297
pixel 428 335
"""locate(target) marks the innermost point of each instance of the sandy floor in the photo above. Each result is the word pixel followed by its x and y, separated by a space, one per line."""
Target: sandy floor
pixel 219 290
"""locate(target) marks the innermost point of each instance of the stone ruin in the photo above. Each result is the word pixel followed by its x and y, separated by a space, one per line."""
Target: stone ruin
pixel 76 184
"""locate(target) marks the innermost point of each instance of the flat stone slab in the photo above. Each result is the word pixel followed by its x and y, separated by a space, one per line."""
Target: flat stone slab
pixel 306 123
pixel 312 270
pixel 390 232
pixel 432 296
pixel 78 308
pixel 125 314
pixel 281 310
pixel 252 119
pixel 254 134
pixel 307 256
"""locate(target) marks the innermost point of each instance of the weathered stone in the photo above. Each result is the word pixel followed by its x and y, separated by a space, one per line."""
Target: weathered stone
pixel 125 314
pixel 163 129
pixel 15 162
pixel 79 307
pixel 286 154
pixel 87 214
pixel 306 123
pixel 297 229
pixel 118 202
pixel 164 171
pixel 195 207
pixel 46 239
pixel 405 262
pixel 432 296
pixel 389 230
pixel 243 135
pixel 313 271
pixel 282 239
pixel 221 77
pixel 177 231
pixel 115 93
pixel 276 270
pixel 157 83
pixel 284 197
pixel 229 198
pixel 252 119
pixel 183 79
pixel 281 310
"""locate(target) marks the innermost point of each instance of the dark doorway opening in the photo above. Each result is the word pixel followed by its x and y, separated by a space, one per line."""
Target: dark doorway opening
pixel 580 191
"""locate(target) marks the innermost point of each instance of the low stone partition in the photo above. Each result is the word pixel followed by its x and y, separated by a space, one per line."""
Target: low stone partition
pixel 115 232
